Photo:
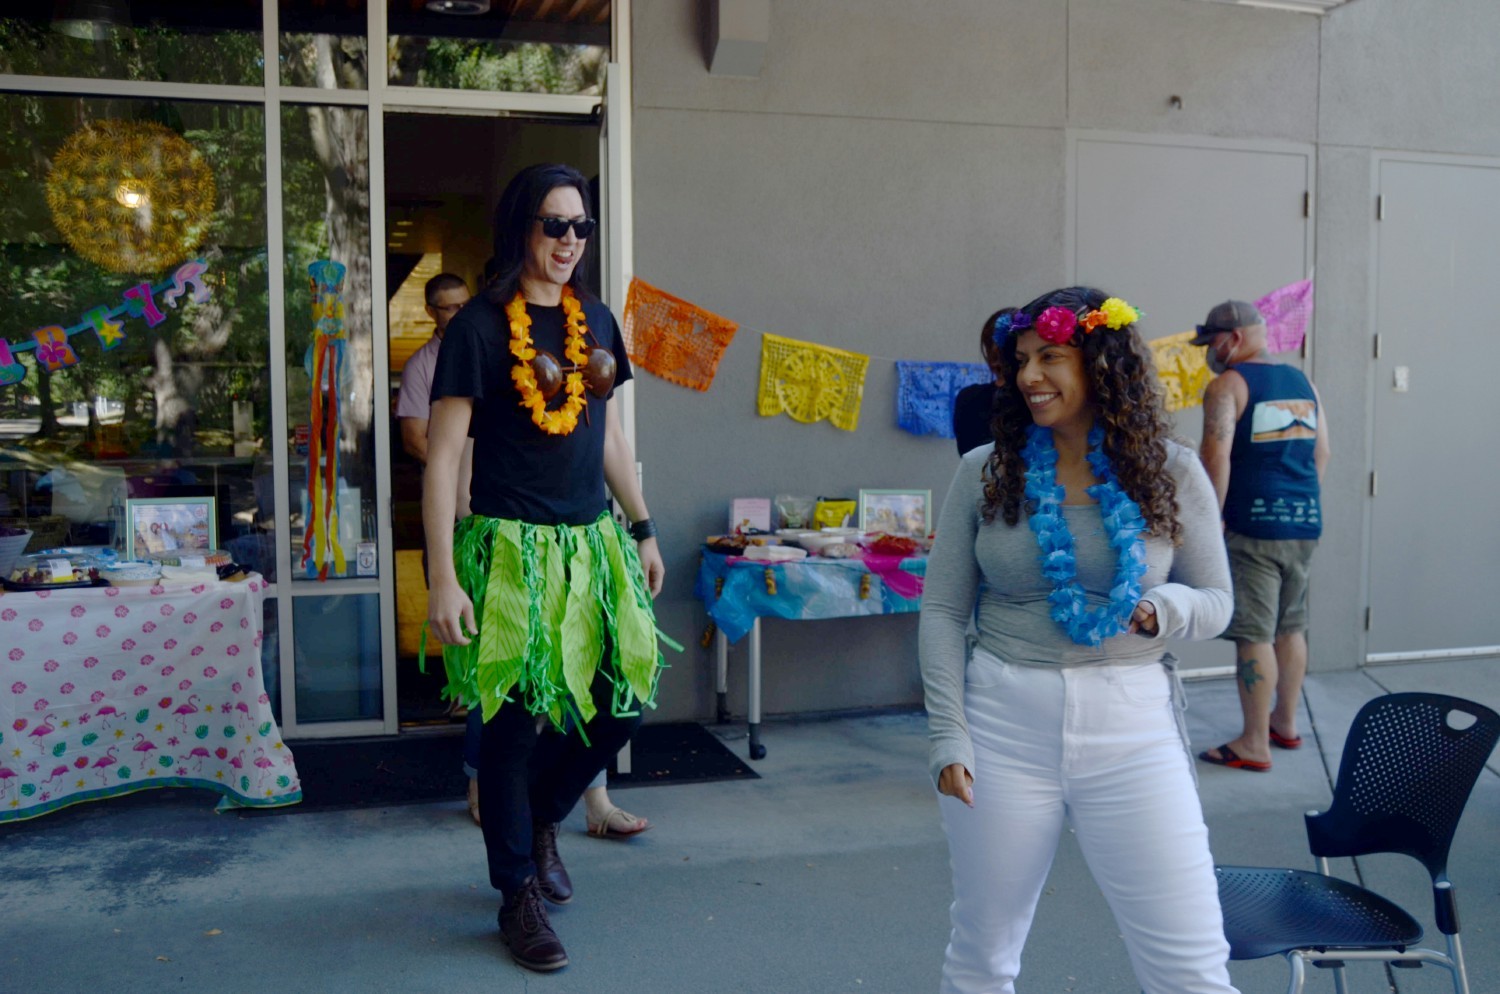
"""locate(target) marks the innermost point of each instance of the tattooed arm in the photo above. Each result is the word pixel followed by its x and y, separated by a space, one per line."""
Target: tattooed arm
pixel 1223 403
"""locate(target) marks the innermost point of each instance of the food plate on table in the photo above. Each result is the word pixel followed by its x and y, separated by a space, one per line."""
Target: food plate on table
pixel 52 574
pixel 132 573
pixel 774 553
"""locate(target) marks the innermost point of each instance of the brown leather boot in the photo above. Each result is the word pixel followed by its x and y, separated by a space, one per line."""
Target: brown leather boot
pixel 552 876
pixel 527 933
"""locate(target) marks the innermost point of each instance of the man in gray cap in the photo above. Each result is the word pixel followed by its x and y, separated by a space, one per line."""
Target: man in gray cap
pixel 1265 444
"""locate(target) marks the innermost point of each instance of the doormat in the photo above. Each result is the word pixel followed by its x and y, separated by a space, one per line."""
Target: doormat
pixel 379 772
pixel 417 769
pixel 679 752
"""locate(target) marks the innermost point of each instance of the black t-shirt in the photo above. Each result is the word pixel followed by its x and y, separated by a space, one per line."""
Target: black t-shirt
pixel 971 416
pixel 520 471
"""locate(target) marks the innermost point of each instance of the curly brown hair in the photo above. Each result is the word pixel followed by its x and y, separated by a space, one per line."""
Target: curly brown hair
pixel 1122 385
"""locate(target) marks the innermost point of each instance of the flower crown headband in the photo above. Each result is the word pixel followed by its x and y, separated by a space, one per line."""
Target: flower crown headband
pixel 1058 324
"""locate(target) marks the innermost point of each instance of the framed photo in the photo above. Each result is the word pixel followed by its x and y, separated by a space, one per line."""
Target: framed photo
pixel 896 512
pixel 170 524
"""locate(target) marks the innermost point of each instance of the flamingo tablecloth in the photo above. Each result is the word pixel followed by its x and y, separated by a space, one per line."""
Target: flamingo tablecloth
pixel 109 690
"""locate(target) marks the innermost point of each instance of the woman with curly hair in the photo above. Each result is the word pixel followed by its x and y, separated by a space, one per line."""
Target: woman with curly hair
pixel 1086 538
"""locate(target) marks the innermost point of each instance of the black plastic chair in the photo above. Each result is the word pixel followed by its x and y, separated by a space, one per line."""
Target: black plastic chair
pixel 1404 780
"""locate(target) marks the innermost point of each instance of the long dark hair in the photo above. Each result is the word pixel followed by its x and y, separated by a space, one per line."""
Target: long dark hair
pixel 514 216
pixel 1122 385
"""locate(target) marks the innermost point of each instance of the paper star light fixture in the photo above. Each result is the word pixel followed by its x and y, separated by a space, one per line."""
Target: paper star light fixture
pixel 131 196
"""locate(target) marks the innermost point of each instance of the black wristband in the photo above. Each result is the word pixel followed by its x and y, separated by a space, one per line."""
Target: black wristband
pixel 643 529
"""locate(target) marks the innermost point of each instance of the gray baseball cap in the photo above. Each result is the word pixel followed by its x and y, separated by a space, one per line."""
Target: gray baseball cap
pixel 1227 316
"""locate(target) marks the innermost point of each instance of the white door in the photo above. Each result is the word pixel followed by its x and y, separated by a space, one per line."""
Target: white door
pixel 1434 544
pixel 1177 228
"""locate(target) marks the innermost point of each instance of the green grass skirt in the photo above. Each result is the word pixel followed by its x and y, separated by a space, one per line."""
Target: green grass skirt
pixel 555 606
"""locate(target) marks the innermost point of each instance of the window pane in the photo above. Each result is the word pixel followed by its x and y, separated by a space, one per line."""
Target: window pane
pixel 169 40
pixel 517 46
pixel 338 657
pixel 327 62
pixel 326 198
pixel 323 44
pixel 134 341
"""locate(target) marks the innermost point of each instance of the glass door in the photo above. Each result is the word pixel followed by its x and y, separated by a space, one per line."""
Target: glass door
pixel 444 173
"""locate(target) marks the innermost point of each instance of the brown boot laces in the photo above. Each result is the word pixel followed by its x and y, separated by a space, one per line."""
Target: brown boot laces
pixel 533 913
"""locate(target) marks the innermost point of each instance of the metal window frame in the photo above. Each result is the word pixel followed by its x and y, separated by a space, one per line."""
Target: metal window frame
pixel 380 98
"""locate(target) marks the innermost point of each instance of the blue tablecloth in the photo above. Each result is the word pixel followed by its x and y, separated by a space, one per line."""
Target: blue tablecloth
pixel 805 589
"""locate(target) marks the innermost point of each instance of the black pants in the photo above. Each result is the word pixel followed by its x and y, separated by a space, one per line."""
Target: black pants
pixel 526 776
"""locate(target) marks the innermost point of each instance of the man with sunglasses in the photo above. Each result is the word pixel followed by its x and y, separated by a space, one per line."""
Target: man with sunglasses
pixel 542 601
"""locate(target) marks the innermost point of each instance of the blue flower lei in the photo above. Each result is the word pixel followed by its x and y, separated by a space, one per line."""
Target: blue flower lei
pixel 1122 523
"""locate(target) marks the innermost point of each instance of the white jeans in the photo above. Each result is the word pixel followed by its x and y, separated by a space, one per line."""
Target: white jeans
pixel 1100 746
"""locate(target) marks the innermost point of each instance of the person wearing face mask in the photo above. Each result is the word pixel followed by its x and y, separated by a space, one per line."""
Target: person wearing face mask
pixel 542 602
pixel 1265 446
pixel 1085 537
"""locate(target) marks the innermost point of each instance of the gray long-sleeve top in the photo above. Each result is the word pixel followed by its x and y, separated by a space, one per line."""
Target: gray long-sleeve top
pixel 998 565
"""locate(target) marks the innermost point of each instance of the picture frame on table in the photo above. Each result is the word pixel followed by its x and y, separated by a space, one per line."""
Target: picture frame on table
pixel 170 524
pixel 896 512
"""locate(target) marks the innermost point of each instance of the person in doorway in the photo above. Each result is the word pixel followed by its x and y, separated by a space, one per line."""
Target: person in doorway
pixel 1265 445
pixel 974 405
pixel 542 601
pixel 446 295
pixel 1086 537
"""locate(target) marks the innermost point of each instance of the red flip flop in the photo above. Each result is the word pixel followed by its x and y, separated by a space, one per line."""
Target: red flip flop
pixel 1227 757
pixel 1282 742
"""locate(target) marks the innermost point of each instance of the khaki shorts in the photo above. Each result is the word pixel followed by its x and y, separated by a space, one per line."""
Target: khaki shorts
pixel 1270 586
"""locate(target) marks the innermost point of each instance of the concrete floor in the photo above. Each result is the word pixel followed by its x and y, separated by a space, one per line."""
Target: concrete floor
pixel 829 874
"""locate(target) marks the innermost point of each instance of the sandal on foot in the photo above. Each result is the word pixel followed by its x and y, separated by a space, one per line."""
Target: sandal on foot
pixel 1283 742
pixel 1227 757
pixel 617 824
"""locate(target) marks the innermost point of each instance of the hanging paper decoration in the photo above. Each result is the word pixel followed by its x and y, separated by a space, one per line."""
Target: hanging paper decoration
pixel 925 393
pixel 672 338
pixel 1181 370
pixel 53 350
pixel 811 382
pixel 1287 312
pixel 325 365
pixel 131 196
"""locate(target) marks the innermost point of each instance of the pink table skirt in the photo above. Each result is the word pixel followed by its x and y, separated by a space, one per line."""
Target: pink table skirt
pixel 109 690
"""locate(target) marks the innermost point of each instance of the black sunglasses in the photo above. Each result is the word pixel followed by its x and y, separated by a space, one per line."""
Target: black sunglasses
pixel 557 227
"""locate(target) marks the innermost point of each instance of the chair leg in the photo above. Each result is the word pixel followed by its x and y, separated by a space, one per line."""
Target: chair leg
pixel 1340 984
pixel 1299 972
pixel 1460 974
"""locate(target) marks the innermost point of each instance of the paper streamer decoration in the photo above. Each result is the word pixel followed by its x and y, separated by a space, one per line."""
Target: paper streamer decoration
pixel 925 393
pixel 1181 370
pixel 131 196
pixel 51 343
pixel 811 382
pixel 676 340
pixel 1287 312
pixel 320 538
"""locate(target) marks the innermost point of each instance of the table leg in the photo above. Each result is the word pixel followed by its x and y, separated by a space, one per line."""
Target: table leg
pixel 721 674
pixel 757 751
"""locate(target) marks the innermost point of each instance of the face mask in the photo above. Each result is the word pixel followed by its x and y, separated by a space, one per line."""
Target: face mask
pixel 1215 361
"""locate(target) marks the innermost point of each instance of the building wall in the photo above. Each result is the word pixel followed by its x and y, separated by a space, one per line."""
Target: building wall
pixel 896 172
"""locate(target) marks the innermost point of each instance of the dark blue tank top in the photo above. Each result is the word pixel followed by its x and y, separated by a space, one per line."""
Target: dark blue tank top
pixel 1273 479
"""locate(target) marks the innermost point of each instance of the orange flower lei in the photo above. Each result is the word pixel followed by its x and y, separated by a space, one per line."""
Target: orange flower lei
pixel 563 420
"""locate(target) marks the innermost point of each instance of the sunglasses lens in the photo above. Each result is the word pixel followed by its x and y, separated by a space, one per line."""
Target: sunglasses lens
pixel 557 227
